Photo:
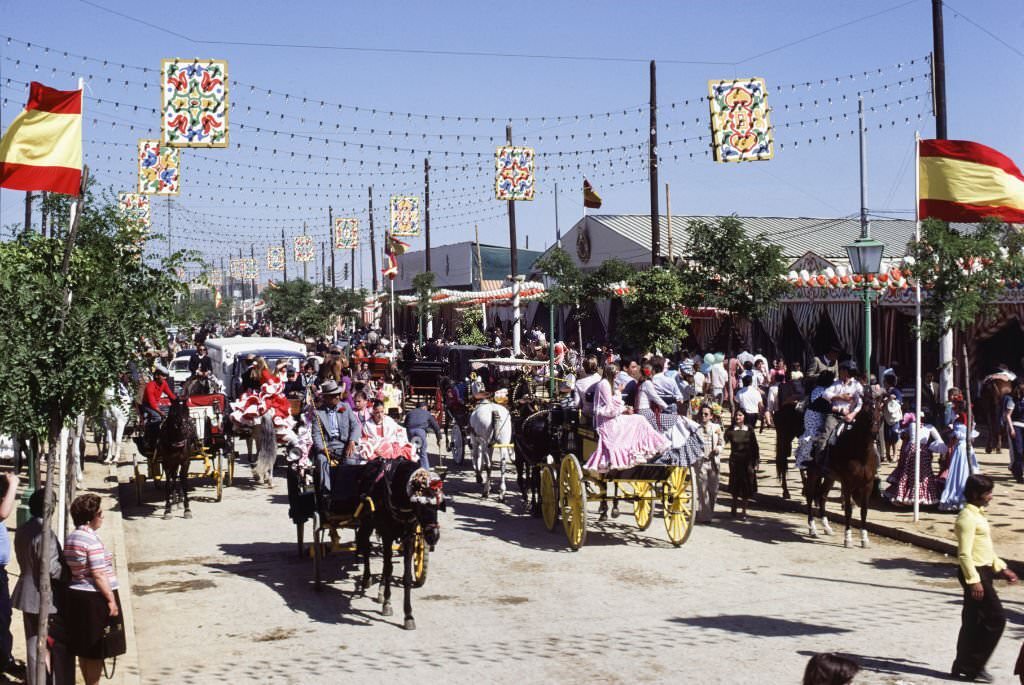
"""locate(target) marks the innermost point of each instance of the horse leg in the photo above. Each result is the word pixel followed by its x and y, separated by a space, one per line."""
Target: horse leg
pixel 486 455
pixel 848 516
pixel 823 498
pixel 407 548
pixel 385 580
pixel 809 496
pixel 865 498
pixel 183 483
pixel 535 490
pixel 169 491
pixel 363 534
pixel 502 490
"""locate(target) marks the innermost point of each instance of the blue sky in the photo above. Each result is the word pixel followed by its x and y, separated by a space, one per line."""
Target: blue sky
pixel 224 207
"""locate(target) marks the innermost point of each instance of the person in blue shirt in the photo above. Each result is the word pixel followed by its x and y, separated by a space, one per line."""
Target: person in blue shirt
pixel 417 422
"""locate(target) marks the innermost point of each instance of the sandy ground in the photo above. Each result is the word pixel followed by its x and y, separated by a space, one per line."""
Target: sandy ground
pixel 225 596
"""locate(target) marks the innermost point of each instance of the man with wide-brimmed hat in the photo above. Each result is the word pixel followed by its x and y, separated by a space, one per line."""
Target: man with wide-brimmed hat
pixel 335 432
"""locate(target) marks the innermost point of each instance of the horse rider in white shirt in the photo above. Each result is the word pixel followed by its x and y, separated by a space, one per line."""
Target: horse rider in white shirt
pixel 846 397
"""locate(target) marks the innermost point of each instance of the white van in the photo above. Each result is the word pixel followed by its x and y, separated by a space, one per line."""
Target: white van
pixel 227 355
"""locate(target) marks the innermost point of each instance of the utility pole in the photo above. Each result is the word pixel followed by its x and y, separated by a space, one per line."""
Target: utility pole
pixel 373 245
pixel 28 211
pixel 323 265
pixel 352 269
pixel 652 166
pixel 426 212
pixel 939 71
pixel 865 228
pixel 169 229
pixel 513 258
pixel 284 247
pixel 942 133
pixel 558 231
pixel 42 213
pixel 513 252
pixel 252 255
pixel 330 232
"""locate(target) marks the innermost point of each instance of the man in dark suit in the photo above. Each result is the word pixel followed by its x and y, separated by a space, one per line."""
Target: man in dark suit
pixel 28 545
pixel 827 362
pixel 335 432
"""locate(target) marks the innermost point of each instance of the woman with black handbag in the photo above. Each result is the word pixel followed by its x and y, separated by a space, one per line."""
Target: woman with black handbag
pixel 94 623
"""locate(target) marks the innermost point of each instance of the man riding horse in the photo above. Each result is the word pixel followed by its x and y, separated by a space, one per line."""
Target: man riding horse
pixel 846 398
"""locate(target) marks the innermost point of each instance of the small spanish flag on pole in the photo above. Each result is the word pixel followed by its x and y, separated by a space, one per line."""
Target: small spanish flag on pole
pixel 591 200
pixel 42 149
pixel 967 182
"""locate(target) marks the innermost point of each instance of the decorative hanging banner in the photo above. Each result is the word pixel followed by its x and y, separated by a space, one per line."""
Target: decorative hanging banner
pixel 740 127
pixel 275 258
pixel 134 208
pixel 405 215
pixel 180 273
pixel 514 177
pixel 346 233
pixel 303 248
pixel 249 269
pixel 195 103
pixel 235 268
pixel 159 168
pixel 215 276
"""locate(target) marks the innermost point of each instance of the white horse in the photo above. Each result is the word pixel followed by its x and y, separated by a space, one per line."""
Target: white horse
pixel 265 435
pixel 117 402
pixel 490 427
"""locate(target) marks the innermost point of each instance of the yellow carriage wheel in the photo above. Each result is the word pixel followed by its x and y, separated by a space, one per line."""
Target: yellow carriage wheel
pixel 573 498
pixel 643 504
pixel 420 557
pixel 548 498
pixel 678 498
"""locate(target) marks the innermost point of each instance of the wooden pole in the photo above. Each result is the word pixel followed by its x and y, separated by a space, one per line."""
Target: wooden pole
pixel 330 232
pixel 373 245
pixel 652 165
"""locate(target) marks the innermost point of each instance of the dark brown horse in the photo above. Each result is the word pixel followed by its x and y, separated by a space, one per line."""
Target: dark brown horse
pixel 990 406
pixel 853 462
pixel 174 445
pixel 789 425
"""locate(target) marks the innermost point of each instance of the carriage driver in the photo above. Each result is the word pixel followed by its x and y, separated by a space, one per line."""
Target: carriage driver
pixel 155 390
pixel 845 396
pixel 335 432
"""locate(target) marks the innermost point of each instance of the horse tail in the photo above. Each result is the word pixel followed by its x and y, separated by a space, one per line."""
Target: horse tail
pixel 266 450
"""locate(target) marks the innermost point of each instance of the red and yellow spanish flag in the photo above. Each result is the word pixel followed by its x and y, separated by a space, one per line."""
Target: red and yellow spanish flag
pixel 42 149
pixel 967 182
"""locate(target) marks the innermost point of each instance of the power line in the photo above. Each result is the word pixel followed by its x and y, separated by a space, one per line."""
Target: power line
pixel 984 30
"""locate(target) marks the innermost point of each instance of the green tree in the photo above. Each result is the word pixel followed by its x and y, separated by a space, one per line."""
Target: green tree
pixel 469 329
pixel 652 315
pixel 726 269
pixel 423 287
pixel 596 283
pixel 960 273
pixel 71 316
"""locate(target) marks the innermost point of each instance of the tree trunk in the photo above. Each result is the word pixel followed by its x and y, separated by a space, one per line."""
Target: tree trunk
pixel 45 587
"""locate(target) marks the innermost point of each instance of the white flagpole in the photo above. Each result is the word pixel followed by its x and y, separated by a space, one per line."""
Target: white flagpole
pixel 917 334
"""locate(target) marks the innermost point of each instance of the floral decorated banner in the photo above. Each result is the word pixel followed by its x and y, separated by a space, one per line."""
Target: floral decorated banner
pixel 405 215
pixel 514 179
pixel 135 209
pixel 159 168
pixel 249 269
pixel 275 258
pixel 215 276
pixel 195 103
pixel 346 233
pixel 235 268
pixel 740 127
pixel 303 248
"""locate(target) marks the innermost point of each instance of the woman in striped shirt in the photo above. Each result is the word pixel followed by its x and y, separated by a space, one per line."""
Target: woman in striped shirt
pixel 93 603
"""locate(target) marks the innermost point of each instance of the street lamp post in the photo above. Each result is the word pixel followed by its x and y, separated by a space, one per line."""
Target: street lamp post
pixel 865 256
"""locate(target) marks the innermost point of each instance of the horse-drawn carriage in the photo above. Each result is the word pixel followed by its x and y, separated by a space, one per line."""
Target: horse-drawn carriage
pixel 212 444
pixel 394 498
pixel 549 438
